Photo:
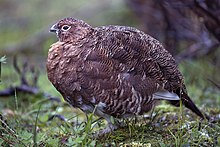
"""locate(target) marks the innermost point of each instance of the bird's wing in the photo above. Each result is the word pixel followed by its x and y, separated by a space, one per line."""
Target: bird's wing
pixel 143 55
pixel 130 56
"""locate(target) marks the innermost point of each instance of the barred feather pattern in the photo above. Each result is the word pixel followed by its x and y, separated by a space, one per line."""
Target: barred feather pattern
pixel 113 68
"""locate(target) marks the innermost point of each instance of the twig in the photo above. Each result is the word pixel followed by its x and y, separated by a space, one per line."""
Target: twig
pixel 6 140
pixel 206 12
pixel 22 73
pixel 26 86
pixel 214 83
pixel 7 128
pixel 197 50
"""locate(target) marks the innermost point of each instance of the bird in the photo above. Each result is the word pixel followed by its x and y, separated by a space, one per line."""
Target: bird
pixel 113 71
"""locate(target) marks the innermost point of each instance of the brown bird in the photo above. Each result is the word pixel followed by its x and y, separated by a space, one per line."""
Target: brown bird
pixel 113 71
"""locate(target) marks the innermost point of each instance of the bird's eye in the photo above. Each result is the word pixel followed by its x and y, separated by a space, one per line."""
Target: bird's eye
pixel 65 27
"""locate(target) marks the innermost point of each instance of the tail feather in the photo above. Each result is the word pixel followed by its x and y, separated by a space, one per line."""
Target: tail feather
pixel 189 104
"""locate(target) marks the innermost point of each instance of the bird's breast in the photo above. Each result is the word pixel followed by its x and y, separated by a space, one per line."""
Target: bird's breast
pixel 64 63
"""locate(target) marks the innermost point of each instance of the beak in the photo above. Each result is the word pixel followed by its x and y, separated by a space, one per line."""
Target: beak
pixel 54 28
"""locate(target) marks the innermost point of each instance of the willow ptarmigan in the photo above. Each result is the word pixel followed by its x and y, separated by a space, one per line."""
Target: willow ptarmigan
pixel 117 70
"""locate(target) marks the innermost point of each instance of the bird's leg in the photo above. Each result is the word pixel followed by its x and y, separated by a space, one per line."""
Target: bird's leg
pixel 112 125
pixel 110 128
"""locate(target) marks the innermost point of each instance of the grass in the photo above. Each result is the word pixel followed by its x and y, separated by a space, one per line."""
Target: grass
pixel 32 120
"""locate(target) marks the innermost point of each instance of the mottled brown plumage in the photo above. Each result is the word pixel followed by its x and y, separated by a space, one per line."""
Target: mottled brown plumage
pixel 119 70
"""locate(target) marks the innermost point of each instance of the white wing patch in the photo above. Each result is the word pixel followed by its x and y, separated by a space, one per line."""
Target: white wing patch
pixel 165 95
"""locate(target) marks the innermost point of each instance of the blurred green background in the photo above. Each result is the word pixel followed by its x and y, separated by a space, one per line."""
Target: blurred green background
pixel 22 20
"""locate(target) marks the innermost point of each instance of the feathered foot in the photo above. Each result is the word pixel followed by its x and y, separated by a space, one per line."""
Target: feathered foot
pixel 111 127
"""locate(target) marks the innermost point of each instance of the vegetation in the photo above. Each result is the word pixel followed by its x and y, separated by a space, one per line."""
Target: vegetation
pixel 43 118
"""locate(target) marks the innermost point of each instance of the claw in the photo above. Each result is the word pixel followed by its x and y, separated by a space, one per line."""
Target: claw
pixel 106 131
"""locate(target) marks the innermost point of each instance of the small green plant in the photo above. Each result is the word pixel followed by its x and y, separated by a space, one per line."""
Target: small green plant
pixel 84 137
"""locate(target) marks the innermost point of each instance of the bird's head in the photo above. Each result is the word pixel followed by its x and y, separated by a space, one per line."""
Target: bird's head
pixel 71 29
